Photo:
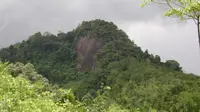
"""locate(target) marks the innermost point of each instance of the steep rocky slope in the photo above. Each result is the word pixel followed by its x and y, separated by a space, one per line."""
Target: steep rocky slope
pixel 86 48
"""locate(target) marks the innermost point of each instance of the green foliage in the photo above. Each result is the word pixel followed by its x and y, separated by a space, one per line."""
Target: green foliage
pixel 17 94
pixel 184 9
pixel 173 64
pixel 125 79
pixel 100 29
pixel 144 86
pixel 52 56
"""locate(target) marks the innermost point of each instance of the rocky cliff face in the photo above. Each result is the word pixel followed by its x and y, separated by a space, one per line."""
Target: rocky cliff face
pixel 86 49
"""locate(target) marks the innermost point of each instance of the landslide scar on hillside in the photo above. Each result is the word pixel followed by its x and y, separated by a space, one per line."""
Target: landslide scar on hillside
pixel 86 49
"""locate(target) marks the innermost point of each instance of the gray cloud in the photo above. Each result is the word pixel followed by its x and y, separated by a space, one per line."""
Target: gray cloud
pixel 21 18
pixel 52 15
pixel 175 41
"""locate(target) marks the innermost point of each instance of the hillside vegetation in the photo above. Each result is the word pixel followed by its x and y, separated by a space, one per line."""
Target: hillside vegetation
pixel 99 70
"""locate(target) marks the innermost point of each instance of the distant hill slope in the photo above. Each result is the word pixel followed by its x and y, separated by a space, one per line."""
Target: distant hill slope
pixel 97 54
pixel 56 56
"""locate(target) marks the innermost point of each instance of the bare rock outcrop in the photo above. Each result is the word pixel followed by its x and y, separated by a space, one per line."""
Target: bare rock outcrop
pixel 86 49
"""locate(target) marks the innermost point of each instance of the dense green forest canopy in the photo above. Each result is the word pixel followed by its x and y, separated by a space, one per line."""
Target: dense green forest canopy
pixel 104 68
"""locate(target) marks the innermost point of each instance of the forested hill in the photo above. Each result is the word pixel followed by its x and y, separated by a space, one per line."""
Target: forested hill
pixel 93 43
pixel 98 55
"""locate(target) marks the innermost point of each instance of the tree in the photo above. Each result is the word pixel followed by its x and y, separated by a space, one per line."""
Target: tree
pixel 182 9
pixel 173 65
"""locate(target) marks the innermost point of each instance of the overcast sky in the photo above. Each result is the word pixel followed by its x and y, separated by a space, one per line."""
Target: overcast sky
pixel 146 26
